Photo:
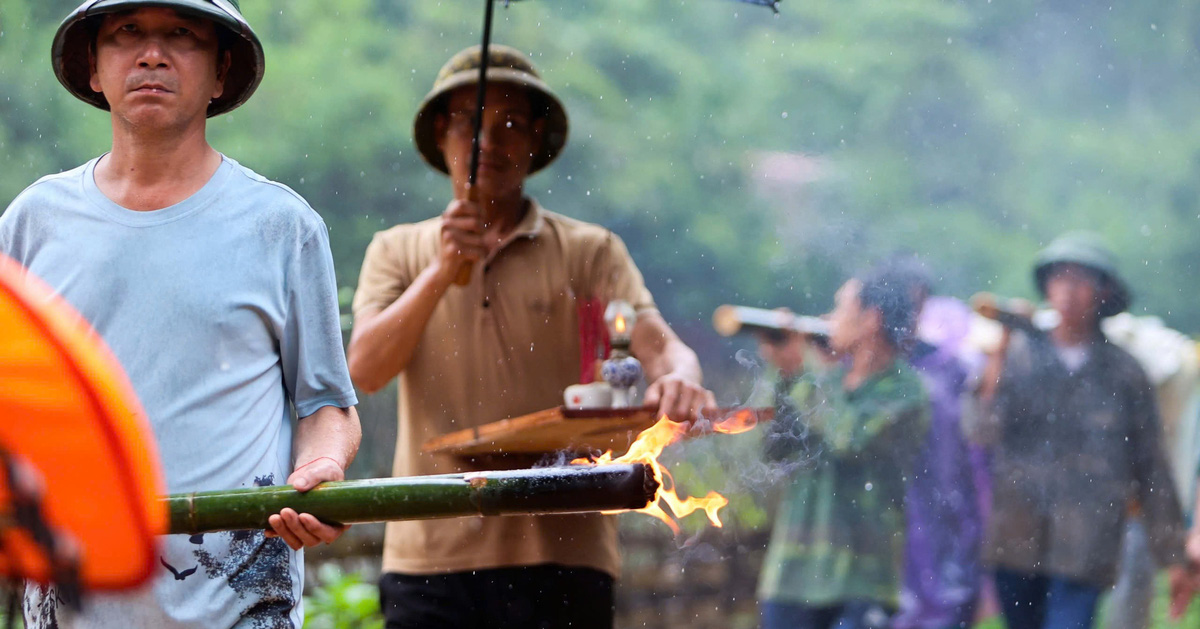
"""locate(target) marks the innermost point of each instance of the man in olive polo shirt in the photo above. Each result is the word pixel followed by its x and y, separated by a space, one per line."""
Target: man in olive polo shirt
pixel 503 345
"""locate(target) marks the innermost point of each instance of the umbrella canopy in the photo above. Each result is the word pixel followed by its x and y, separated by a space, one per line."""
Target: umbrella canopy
pixel 80 468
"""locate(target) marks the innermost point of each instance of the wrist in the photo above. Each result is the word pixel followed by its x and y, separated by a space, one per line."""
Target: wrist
pixel 680 374
pixel 441 274
pixel 444 274
pixel 320 458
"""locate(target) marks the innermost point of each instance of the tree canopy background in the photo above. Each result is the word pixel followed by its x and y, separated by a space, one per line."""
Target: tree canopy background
pixel 744 157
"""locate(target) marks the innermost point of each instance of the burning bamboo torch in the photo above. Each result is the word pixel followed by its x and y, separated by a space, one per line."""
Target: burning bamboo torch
pixel 568 489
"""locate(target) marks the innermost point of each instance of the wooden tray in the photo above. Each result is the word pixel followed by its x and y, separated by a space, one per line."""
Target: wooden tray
pixel 560 429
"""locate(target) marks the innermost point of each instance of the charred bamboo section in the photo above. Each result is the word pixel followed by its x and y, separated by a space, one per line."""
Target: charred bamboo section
pixel 568 489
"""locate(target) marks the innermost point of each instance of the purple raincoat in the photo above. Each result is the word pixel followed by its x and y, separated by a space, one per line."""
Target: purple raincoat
pixel 942 573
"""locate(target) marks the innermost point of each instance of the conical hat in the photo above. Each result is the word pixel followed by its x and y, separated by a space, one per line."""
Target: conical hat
pixel 74 38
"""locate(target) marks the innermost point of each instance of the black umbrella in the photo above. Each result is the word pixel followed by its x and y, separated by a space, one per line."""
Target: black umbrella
pixel 464 274
pixel 489 6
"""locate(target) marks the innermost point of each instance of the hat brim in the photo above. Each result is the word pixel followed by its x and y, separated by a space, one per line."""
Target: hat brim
pixel 1118 295
pixel 72 41
pixel 554 138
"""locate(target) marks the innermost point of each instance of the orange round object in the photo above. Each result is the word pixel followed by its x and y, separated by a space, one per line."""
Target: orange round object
pixel 69 415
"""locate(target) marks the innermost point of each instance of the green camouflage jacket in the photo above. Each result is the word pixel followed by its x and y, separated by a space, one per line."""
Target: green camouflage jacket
pixel 839 533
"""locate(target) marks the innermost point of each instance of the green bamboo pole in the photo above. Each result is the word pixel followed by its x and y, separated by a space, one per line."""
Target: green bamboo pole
pixel 569 489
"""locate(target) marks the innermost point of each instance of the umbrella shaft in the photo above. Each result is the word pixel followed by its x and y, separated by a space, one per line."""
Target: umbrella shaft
pixel 480 95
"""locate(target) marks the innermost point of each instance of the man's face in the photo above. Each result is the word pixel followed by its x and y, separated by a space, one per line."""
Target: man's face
pixel 508 140
pixel 1073 290
pixel 850 323
pixel 156 67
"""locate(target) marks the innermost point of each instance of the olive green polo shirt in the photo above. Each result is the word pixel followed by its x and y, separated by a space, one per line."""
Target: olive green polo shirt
pixel 502 346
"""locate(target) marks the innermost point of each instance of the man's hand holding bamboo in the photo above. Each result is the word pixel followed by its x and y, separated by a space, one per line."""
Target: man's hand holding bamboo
pixel 325 444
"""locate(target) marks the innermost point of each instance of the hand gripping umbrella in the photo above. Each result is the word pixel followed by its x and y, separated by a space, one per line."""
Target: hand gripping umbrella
pixel 464 272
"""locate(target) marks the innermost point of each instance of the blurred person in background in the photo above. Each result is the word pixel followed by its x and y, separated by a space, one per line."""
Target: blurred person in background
pixel 1193 540
pixel 1075 434
pixel 942 573
pixel 1169 359
pixel 852 428
pixel 1193 549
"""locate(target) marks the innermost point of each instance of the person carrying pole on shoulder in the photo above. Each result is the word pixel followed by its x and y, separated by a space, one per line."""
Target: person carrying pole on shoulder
pixel 848 432
pixel 1074 431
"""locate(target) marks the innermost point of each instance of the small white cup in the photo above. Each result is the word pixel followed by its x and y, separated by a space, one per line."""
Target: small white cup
pixel 593 395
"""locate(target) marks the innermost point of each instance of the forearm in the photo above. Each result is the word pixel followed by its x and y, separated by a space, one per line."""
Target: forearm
pixel 1196 512
pixel 989 383
pixel 1160 505
pixel 324 445
pixel 985 409
pixel 980 421
pixel 330 432
pixel 662 352
pixel 384 341
pixel 1193 542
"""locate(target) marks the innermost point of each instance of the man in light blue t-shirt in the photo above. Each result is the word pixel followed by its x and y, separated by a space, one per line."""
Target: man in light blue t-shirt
pixel 215 289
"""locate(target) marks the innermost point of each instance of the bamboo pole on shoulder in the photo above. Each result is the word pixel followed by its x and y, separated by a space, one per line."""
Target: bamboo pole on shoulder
pixel 566 489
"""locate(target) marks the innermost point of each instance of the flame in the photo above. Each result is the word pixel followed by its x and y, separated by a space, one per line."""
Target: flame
pixel 739 422
pixel 668 505
pixel 619 324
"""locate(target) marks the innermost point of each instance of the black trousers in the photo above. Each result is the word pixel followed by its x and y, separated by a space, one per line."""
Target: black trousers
pixel 547 596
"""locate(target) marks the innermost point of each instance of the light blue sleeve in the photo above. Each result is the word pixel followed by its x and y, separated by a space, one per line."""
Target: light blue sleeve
pixel 314 360
pixel 9 230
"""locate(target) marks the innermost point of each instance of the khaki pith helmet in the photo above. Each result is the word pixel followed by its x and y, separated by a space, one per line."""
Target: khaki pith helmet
pixel 75 37
pixel 505 65
pixel 1087 250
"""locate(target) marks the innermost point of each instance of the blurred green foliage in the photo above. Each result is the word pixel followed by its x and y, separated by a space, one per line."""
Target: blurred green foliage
pixel 342 599
pixel 968 131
